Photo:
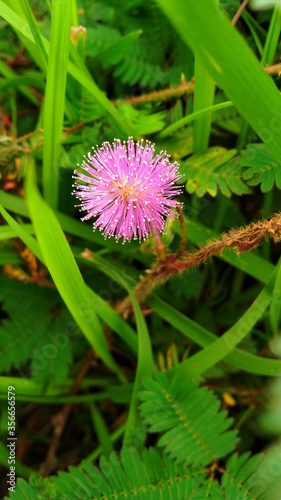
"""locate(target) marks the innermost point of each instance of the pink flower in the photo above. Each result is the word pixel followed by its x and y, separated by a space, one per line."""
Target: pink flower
pixel 127 189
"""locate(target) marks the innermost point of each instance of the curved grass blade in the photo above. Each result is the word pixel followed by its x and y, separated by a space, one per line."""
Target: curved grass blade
pixel 275 309
pixel 103 309
pixel 134 434
pixel 197 333
pixel 64 270
pixel 193 116
pixel 22 232
pixel 145 356
pixel 203 98
pixel 201 336
pixel 218 350
pixel 55 97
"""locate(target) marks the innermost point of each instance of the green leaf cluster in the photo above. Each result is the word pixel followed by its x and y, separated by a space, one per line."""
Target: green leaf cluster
pixel 212 171
pixel 32 336
pixel 194 434
pixel 262 167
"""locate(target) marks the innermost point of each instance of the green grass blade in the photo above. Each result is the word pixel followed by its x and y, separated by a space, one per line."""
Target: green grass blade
pixel 19 81
pixel 64 270
pixel 233 66
pixel 35 30
pixel 145 356
pixel 203 98
pixel 13 11
pixel 218 350
pixel 135 434
pixel 22 232
pixel 201 336
pixel 9 257
pixel 275 310
pixel 198 334
pixel 17 205
pixel 55 98
pixel 272 38
pixel 101 430
pixel 7 233
pixel 11 75
pixel 192 117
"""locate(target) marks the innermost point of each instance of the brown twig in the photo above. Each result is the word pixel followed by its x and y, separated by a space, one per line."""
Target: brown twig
pixel 273 70
pixel 241 240
pixel 239 12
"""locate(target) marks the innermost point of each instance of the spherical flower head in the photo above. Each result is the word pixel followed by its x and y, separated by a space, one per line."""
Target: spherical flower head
pixel 127 189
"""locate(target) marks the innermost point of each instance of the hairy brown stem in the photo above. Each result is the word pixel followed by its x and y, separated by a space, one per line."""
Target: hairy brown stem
pixel 241 240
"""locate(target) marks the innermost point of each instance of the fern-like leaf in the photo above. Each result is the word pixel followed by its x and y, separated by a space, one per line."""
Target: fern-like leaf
pixel 239 480
pixel 28 309
pixel 262 168
pixel 216 169
pixel 141 121
pixel 193 431
pixel 31 332
pixel 146 476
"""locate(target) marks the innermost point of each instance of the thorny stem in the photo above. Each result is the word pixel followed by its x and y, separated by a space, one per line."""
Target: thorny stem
pixel 162 95
pixel 241 240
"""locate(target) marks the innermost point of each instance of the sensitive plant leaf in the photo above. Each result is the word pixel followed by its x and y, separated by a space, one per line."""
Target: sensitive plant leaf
pixel 146 476
pixel 262 168
pixel 215 169
pixel 116 51
pixel 99 37
pixel 239 480
pixel 29 319
pixel 193 430
pixel 143 121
